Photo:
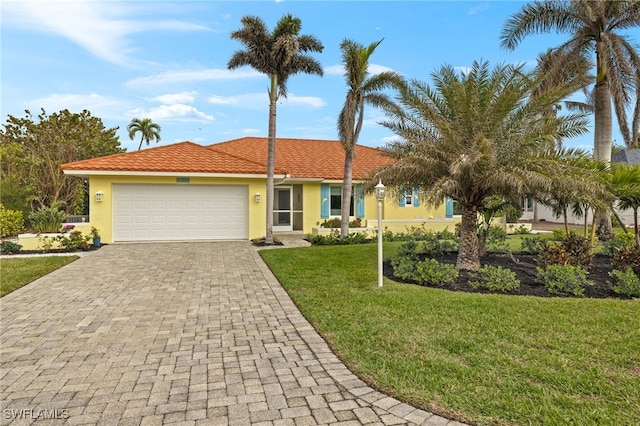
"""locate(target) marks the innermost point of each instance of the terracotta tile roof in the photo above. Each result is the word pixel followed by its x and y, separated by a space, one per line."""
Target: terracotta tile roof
pixel 300 158
pixel 306 158
pixel 179 157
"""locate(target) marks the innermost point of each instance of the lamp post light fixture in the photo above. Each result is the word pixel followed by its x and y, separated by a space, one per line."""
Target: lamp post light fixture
pixel 380 193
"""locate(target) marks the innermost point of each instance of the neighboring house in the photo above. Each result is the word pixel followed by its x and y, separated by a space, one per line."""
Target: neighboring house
pixel 628 156
pixel 186 191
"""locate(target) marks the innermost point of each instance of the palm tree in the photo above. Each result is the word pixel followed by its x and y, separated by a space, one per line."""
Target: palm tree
pixel 473 136
pixel 626 184
pixel 593 25
pixel 278 54
pixel 363 89
pixel 147 128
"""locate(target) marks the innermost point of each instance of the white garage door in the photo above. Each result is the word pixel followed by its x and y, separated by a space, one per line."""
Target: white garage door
pixel 179 212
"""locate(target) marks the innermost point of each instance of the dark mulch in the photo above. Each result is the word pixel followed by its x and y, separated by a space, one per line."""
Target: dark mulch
pixel 524 266
pixel 260 242
pixel 52 251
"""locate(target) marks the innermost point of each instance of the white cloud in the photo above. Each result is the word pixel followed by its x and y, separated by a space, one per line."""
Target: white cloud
pixel 261 100
pixel 192 75
pixel 250 131
pixel 249 100
pixel 176 112
pixel 311 101
pixel 102 28
pixel 477 9
pixel 176 98
pixel 334 70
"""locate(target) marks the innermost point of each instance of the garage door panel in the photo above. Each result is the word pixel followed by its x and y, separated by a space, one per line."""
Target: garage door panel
pixel 179 213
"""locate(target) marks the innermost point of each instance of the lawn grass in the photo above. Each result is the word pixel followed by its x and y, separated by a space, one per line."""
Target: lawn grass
pixel 16 273
pixel 486 359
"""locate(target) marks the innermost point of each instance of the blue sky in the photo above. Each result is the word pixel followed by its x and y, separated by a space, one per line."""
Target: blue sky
pixel 167 60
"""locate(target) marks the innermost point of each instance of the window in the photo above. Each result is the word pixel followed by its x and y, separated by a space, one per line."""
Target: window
pixel 336 200
pixel 408 197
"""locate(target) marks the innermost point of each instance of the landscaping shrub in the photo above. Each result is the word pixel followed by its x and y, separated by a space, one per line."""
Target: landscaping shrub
pixel 521 230
pixel 75 241
pixel 531 245
pixel 563 279
pixel 497 240
pixel 626 283
pixel 494 278
pixel 439 243
pixel 432 272
pixel 334 239
pixel 405 261
pixel 512 213
pixel 626 257
pixel 9 247
pixel 336 222
pixel 417 233
pixel 621 239
pixel 574 250
pixel 552 254
pixel 47 220
pixel 11 222
pixel 558 234
pixel 580 250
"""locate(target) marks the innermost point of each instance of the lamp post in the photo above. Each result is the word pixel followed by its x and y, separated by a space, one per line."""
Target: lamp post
pixel 380 197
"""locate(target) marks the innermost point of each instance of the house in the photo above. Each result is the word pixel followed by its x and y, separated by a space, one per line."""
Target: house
pixel 627 156
pixel 186 191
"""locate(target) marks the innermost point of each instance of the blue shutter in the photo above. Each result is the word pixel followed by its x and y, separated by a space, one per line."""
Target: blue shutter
pixel 325 203
pixel 416 197
pixel 448 207
pixel 402 201
pixel 359 201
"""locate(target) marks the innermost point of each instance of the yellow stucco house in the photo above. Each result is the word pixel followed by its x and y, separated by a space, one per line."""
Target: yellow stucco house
pixel 186 191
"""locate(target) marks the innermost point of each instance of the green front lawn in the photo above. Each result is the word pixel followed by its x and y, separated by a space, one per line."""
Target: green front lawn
pixel 486 359
pixel 18 272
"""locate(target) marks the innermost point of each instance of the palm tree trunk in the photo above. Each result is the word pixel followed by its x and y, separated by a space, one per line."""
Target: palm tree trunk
pixel 468 257
pixel 346 193
pixel 635 227
pixel 566 221
pixel 141 140
pixel 602 128
pixel 271 158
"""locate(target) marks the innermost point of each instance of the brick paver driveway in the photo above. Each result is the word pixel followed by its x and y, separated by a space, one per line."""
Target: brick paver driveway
pixel 189 333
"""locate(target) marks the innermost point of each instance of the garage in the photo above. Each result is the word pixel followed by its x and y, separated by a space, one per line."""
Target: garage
pixel 179 212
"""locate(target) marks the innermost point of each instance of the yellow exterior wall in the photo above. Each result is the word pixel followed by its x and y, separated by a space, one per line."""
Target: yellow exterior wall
pixel 101 212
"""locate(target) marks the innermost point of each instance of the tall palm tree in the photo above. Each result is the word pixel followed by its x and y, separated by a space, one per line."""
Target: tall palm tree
pixel 278 54
pixel 473 136
pixel 363 88
pixel 148 129
pixel 594 27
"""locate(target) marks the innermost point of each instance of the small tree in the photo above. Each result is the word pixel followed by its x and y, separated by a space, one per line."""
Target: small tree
pixel 626 184
pixel 476 135
pixel 148 130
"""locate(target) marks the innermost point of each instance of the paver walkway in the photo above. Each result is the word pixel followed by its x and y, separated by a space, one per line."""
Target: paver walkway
pixel 184 333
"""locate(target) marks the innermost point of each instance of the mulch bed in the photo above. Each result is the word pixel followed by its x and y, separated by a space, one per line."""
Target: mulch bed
pixel 524 266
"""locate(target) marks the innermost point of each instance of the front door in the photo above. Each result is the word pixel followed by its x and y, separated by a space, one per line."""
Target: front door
pixel 282 212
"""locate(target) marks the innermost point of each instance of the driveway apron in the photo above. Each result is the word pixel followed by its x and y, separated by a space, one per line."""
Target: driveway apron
pixel 187 333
